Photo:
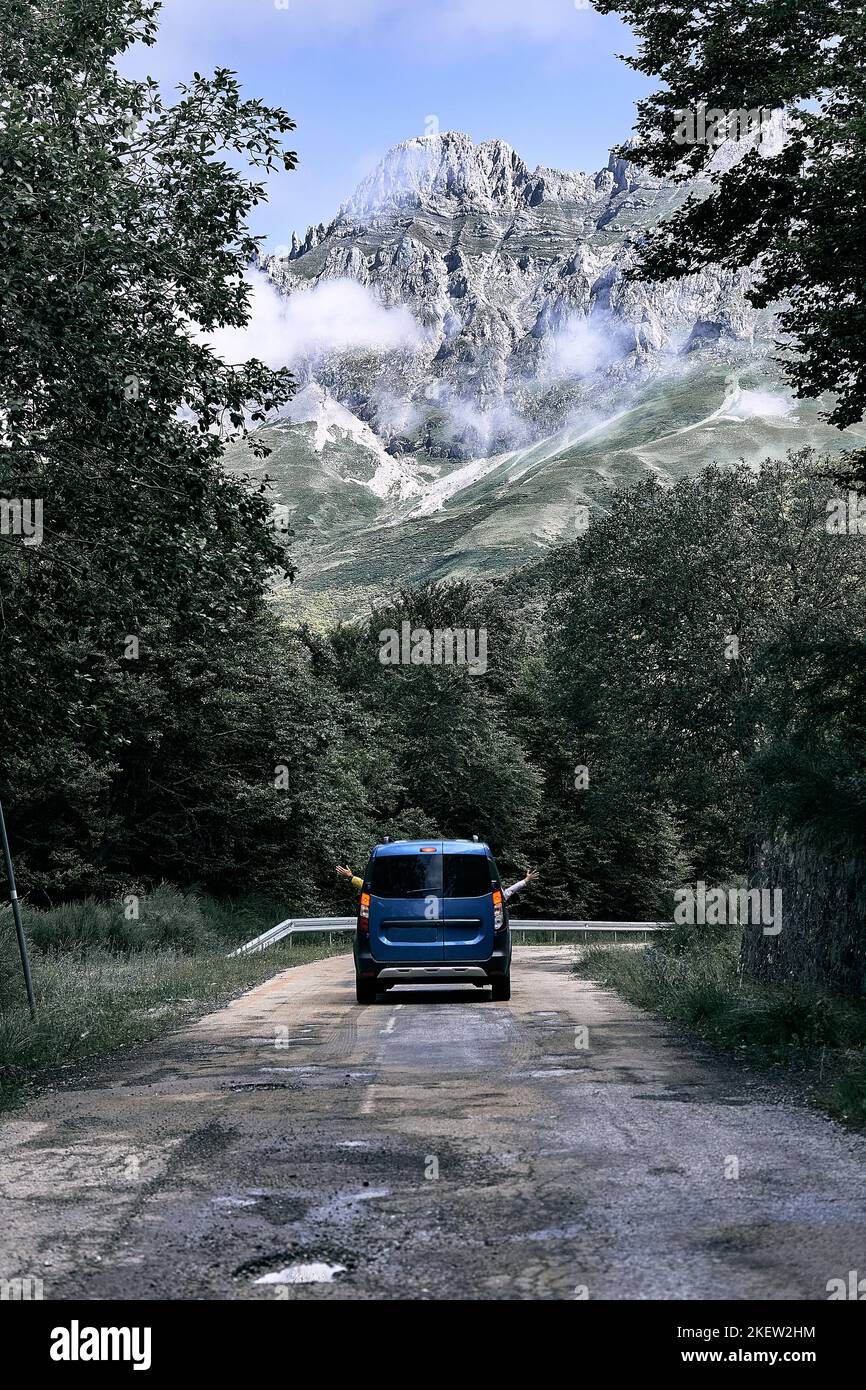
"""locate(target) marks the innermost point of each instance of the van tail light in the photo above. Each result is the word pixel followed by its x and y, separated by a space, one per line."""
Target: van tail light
pixel 364 913
pixel 498 915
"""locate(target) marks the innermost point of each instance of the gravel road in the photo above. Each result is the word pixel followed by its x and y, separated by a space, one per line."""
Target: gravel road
pixel 436 1145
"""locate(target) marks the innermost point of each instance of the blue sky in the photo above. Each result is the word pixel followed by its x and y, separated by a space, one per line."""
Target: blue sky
pixel 359 75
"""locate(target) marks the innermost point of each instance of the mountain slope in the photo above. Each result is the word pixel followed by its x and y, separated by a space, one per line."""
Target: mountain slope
pixel 478 370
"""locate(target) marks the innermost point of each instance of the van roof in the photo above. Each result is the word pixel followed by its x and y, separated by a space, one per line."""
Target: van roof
pixel 442 846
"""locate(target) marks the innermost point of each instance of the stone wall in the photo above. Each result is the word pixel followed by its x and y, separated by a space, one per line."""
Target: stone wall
pixel 823 936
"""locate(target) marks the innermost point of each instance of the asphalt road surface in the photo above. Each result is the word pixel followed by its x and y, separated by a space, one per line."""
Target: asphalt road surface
pixel 436 1145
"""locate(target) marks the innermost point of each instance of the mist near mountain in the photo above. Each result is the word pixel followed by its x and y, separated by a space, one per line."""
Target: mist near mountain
pixel 333 317
pixel 475 370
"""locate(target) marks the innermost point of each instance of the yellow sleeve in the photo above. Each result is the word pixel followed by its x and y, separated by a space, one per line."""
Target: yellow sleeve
pixel 357 883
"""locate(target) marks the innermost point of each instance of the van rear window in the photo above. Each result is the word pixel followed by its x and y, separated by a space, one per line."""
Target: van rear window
pixel 466 875
pixel 406 875
pixel 416 875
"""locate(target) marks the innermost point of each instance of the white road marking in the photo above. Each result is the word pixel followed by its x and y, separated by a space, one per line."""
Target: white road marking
pixel 392 1021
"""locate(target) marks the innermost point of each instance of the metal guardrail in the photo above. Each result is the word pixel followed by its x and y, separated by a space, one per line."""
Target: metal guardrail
pixel 289 927
pixel 540 924
pixel 299 925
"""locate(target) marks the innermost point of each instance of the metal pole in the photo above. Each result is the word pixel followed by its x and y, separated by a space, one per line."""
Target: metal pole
pixel 16 913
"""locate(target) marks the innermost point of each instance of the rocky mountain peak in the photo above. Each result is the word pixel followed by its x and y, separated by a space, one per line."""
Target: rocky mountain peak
pixel 511 282
pixel 444 171
pixel 477 364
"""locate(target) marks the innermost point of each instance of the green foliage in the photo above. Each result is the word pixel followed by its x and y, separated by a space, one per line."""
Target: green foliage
pixel 225 752
pixel 122 232
pixel 702 989
pixel 645 610
pixel 298 749
pixel 451 762
pixel 848 1096
pixel 167 919
pixel 163 918
pixel 797 212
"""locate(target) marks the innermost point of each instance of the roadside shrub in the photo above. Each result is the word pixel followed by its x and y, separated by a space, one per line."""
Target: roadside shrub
pixel 163 918
pixel 848 1096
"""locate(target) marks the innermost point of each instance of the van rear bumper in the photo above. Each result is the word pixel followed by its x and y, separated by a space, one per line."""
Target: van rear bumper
pixel 496 965
pixel 432 972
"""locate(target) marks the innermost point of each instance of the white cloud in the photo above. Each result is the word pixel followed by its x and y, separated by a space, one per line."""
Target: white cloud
pixel 415 23
pixel 334 316
pixel 542 20
pixel 582 346
pixel 496 423
pixel 395 414
pixel 766 404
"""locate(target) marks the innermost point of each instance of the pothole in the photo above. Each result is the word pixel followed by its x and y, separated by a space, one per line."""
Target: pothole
pixel 271 1268
pixel 317 1272
pixel 290 1069
pixel 264 1086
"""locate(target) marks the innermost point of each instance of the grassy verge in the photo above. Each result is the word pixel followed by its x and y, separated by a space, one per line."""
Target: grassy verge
pixel 569 938
pixel 692 978
pixel 104 982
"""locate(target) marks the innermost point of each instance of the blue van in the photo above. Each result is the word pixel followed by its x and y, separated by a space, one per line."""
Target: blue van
pixel 432 911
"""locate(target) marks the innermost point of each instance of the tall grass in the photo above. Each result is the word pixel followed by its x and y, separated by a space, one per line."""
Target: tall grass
pixel 165 917
pixel 692 977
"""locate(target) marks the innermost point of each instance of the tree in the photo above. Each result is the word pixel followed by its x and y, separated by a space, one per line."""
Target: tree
pixel 123 231
pixel 707 634
pixel 444 759
pixel 796 214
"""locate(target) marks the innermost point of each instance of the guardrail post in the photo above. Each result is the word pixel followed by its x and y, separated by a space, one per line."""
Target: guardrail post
pixel 16 915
